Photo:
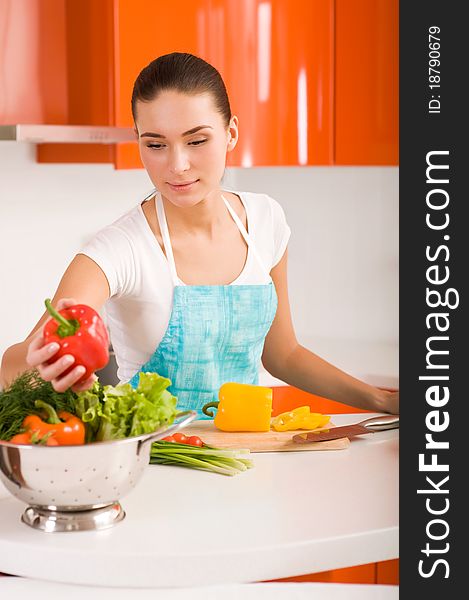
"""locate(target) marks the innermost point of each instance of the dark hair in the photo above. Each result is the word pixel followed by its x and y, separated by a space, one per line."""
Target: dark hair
pixel 181 72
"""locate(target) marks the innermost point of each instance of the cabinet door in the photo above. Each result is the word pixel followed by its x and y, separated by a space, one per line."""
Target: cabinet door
pixel 366 82
pixel 33 63
pixel 143 31
pixel 276 59
pixel 88 30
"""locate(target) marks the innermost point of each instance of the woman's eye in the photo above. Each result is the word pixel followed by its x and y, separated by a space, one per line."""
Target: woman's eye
pixel 159 146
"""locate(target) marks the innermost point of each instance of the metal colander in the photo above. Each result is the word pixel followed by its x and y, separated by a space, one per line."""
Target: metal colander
pixel 71 488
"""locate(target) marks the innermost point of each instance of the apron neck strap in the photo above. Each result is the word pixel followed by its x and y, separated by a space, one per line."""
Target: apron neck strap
pixel 167 242
pixel 238 222
pixel 245 234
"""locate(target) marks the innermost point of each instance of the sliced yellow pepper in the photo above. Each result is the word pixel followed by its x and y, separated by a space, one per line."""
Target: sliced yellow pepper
pixel 299 418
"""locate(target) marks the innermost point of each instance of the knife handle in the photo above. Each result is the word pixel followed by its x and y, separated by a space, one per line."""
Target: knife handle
pixel 381 423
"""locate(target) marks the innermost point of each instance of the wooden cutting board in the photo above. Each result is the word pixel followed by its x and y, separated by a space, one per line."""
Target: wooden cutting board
pixel 265 441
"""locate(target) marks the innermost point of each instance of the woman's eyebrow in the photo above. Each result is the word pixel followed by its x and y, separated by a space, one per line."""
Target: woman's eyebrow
pixel 159 135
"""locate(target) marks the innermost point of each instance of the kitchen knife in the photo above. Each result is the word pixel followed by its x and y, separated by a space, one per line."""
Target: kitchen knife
pixel 368 426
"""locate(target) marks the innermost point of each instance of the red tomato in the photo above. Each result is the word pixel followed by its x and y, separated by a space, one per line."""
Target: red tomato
pixel 194 440
pixel 169 438
pixel 180 438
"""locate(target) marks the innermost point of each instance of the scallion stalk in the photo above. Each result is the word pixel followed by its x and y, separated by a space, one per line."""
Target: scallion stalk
pixel 207 458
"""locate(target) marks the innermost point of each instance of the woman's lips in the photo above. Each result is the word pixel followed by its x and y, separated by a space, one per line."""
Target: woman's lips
pixel 182 187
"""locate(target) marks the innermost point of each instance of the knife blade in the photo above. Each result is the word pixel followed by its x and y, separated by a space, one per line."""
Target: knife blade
pixel 367 426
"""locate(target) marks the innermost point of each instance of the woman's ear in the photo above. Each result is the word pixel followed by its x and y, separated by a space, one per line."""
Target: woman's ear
pixel 232 134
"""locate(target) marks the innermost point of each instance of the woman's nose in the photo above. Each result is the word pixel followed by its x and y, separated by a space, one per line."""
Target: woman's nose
pixel 178 161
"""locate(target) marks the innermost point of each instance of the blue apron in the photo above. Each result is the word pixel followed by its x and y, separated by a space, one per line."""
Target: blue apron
pixel 215 333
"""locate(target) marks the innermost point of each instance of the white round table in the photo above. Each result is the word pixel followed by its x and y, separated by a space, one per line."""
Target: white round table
pixel 293 513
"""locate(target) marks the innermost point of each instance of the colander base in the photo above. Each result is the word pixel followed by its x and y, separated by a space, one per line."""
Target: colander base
pixel 52 521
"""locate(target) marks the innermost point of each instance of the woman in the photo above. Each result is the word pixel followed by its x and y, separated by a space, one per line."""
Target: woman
pixel 194 278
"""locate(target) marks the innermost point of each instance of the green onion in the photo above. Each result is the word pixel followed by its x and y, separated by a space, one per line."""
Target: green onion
pixel 206 458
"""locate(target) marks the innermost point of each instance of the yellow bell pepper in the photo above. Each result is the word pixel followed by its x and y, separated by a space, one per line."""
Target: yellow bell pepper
pixel 299 418
pixel 242 407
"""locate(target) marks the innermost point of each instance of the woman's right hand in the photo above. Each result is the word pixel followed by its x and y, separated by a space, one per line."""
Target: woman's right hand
pixel 39 354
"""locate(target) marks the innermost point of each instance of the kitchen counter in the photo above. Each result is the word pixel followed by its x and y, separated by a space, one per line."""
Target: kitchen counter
pixel 26 589
pixel 372 362
pixel 293 513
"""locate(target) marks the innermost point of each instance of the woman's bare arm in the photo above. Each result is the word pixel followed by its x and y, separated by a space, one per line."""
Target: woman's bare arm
pixel 83 282
pixel 290 362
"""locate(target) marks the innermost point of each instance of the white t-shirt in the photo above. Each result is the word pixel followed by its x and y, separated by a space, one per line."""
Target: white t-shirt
pixel 141 288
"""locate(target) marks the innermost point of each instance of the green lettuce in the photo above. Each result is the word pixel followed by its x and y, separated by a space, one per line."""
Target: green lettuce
pixel 88 408
pixel 116 412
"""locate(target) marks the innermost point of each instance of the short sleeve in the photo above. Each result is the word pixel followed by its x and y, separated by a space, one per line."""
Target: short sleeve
pixel 281 231
pixel 111 251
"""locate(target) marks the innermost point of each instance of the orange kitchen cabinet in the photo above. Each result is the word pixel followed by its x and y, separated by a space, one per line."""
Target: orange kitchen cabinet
pixel 384 573
pixel 288 397
pixel 33 65
pixel 358 574
pixel 366 82
pixel 285 398
pixel 58 69
pixel 88 27
pixel 387 572
pixel 276 59
pixel 313 82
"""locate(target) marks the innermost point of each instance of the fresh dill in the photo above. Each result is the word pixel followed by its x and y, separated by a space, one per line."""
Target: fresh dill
pixel 17 401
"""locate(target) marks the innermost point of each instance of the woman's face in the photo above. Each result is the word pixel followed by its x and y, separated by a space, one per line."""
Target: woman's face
pixel 183 143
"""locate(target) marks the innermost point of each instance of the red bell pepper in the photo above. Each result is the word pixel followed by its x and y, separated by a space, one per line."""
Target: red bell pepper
pixel 79 331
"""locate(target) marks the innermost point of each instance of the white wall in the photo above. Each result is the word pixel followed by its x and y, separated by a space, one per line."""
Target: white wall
pixel 343 251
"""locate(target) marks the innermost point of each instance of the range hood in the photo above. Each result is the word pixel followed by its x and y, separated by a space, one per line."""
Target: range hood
pixel 66 134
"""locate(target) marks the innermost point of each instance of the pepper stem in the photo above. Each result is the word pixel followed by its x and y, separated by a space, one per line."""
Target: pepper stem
pixel 209 405
pixel 52 417
pixel 66 327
